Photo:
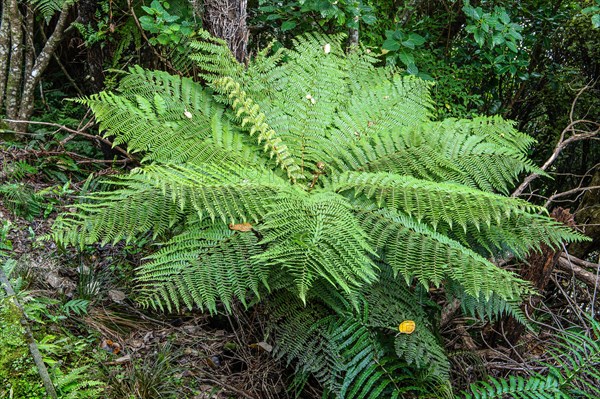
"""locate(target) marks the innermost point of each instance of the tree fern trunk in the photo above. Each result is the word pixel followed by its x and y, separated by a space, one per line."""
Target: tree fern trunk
pixel 538 270
pixel 227 19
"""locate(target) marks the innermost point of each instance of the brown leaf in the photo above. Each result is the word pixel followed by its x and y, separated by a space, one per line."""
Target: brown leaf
pixel 244 227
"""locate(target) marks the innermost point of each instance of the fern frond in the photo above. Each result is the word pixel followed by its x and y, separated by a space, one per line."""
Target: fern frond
pixel 76 384
pixel 490 308
pixel 517 235
pixel 155 198
pixel 415 251
pixel 250 111
pixel 49 7
pixel 389 302
pixel 117 215
pixel 203 265
pixel 430 202
pixel 21 199
pixel 214 57
pixel 448 151
pixel 191 122
pixel 517 387
pixel 342 352
pixel 314 237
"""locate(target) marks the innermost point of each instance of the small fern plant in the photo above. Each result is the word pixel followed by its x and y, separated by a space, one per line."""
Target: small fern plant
pixel 572 372
pixel 317 183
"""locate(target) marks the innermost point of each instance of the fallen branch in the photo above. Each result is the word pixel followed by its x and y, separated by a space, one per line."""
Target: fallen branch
pixel 76 132
pixel 581 262
pixel 587 277
pixel 33 348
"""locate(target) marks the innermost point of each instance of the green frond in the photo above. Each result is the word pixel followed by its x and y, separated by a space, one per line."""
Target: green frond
pixel 316 236
pixel 448 151
pixel 415 251
pixel 21 199
pixel 157 197
pixel 390 302
pixel 213 57
pixel 76 384
pixel 118 215
pixel 490 308
pixel 49 7
pixel 431 202
pixel 517 387
pixel 341 351
pixel 518 235
pixel 200 267
pixel 191 123
pixel 250 113
pixel 391 103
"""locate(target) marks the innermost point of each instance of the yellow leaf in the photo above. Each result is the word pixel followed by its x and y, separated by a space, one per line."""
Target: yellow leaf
pixel 407 327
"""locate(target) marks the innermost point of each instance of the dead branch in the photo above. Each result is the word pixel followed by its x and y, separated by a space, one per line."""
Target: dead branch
pixel 76 132
pixel 587 277
pixel 577 135
pixel 577 190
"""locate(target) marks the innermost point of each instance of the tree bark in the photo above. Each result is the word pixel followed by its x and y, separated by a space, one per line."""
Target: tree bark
pixel 94 74
pixel 227 19
pixel 41 62
pixel 4 49
pixel 13 81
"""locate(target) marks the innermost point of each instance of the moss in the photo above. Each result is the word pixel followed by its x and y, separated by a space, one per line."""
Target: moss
pixel 17 370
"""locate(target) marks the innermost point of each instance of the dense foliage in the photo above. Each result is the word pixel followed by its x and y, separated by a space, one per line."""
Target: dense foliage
pixel 319 182
pixel 300 214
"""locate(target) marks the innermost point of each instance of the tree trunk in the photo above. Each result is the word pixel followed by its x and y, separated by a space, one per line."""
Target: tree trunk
pixel 94 73
pixel 20 68
pixel 15 71
pixel 41 63
pixel 4 49
pixel 227 19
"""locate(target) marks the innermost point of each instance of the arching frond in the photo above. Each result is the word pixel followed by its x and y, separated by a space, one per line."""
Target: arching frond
pixel 191 123
pixel 415 251
pixel 433 203
pixel 155 198
pixel 194 269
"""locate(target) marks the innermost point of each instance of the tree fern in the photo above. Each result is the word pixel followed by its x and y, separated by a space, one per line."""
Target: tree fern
pixel 317 181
